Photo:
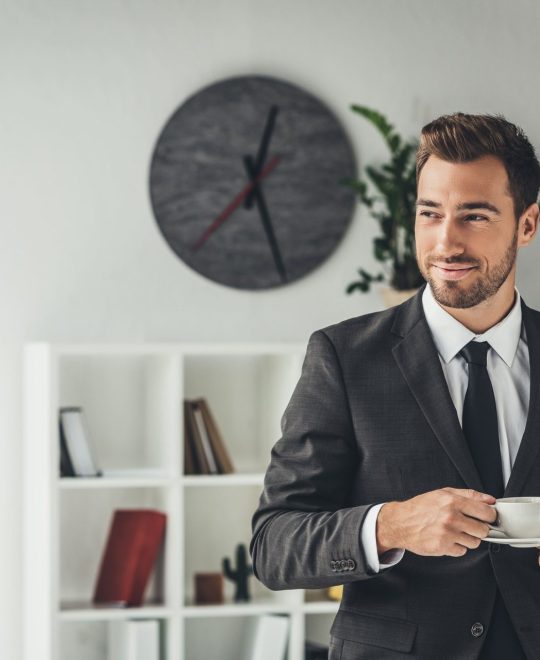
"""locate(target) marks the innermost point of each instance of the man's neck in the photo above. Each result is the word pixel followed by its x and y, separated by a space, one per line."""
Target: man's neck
pixel 482 317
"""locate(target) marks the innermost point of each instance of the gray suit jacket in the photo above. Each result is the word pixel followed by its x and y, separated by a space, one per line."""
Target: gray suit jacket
pixel 371 420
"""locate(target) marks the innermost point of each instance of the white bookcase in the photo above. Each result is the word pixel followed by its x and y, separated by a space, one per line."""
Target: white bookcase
pixel 132 396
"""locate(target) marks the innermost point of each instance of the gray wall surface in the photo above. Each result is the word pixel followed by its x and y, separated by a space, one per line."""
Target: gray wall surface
pixel 86 87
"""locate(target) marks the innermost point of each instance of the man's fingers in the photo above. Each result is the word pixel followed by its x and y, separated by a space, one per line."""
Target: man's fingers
pixel 479 510
pixel 474 527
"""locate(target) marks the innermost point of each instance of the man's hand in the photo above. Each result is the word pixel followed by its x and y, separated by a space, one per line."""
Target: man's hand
pixel 447 521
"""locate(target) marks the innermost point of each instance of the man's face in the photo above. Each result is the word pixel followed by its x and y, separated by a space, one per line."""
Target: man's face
pixel 465 229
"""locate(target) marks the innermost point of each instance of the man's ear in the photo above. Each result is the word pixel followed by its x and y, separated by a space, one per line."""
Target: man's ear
pixel 528 224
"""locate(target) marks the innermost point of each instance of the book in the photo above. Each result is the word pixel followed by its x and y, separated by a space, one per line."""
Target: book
pixel 204 449
pixel 76 459
pixel 223 459
pixel 202 434
pixel 267 638
pixel 133 640
pixel 200 461
pixel 133 543
pixel 190 466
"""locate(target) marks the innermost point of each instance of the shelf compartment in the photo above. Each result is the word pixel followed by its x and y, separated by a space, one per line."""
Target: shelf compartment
pixel 218 519
pixel 88 640
pixel 247 394
pixel 132 408
pixel 229 640
pixel 85 517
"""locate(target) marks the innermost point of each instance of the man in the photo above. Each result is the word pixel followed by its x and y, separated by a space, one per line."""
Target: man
pixel 406 424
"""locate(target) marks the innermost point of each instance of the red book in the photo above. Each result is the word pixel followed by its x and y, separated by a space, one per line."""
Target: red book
pixel 134 541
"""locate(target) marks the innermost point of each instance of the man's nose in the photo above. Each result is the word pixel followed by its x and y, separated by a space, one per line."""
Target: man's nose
pixel 449 238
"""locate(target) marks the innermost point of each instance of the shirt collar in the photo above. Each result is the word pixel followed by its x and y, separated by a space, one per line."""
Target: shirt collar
pixel 450 336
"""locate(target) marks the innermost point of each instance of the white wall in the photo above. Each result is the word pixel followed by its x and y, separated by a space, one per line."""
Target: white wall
pixel 85 88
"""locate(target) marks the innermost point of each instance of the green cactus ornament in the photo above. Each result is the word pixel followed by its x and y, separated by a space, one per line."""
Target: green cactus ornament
pixel 240 575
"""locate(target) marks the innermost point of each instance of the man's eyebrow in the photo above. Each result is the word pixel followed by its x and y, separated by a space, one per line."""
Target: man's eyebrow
pixel 466 206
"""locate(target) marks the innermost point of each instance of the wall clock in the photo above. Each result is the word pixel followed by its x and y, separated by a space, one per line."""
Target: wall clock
pixel 245 182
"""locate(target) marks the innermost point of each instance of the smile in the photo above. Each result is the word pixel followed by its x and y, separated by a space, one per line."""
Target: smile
pixel 455 274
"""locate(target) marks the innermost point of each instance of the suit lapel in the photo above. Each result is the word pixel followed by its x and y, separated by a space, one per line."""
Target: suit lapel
pixel 528 448
pixel 417 358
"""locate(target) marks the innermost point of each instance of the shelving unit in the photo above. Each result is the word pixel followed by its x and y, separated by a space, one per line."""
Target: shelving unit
pixel 132 396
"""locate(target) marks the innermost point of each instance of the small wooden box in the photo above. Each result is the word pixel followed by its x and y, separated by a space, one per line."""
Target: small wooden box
pixel 209 588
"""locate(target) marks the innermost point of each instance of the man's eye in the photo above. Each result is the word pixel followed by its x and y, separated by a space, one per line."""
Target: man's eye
pixel 475 218
pixel 428 214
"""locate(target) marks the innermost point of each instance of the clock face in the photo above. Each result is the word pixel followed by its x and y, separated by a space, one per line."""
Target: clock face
pixel 245 182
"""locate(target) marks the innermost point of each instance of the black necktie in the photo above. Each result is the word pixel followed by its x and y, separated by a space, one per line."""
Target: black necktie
pixel 482 432
pixel 480 419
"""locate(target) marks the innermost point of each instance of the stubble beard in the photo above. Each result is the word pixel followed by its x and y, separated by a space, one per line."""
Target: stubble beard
pixel 453 294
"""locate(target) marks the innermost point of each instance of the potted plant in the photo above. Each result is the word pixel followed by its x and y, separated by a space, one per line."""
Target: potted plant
pixel 389 192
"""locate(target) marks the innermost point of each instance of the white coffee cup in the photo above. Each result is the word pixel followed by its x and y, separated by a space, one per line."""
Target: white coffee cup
pixel 517 517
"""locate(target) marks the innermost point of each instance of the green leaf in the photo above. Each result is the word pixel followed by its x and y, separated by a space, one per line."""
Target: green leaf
pixel 360 187
pixel 381 248
pixel 357 285
pixel 381 124
pixel 382 182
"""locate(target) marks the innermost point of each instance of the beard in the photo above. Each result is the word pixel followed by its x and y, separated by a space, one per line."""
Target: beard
pixel 450 294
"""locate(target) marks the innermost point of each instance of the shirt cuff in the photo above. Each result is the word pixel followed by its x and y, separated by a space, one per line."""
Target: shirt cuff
pixel 369 543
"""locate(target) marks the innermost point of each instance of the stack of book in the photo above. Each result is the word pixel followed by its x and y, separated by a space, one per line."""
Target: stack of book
pixel 204 449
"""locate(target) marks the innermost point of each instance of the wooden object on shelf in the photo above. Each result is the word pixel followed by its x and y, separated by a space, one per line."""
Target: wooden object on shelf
pixel 133 543
pixel 209 588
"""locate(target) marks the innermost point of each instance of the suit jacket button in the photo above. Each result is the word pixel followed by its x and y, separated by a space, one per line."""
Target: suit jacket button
pixel 343 564
pixel 333 565
pixel 352 564
pixel 477 629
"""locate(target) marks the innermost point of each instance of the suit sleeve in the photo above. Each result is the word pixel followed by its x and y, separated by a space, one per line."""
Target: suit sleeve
pixel 304 536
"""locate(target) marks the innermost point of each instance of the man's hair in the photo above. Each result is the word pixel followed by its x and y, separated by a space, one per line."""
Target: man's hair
pixel 460 138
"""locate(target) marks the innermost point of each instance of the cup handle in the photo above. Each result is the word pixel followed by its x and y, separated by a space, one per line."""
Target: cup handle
pixel 497 525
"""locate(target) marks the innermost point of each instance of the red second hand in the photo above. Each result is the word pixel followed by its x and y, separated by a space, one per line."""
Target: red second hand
pixel 236 202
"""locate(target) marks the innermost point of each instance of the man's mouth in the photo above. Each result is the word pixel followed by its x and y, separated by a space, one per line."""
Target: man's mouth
pixel 449 272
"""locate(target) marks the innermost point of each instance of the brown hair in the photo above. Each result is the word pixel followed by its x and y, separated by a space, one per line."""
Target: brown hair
pixel 459 138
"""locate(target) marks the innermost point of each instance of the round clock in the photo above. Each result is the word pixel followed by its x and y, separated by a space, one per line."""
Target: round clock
pixel 246 182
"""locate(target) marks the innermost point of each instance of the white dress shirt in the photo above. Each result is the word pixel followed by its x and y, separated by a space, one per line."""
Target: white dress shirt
pixel 509 372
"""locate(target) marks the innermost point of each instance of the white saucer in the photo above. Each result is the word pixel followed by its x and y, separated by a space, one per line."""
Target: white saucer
pixel 499 537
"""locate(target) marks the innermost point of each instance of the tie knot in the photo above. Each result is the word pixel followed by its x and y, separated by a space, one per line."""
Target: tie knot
pixel 475 352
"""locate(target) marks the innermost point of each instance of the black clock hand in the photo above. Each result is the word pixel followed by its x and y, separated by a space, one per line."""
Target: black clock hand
pixel 265 217
pixel 235 203
pixel 263 148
